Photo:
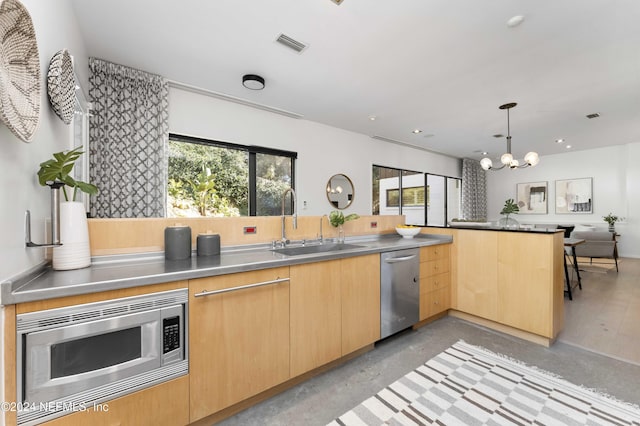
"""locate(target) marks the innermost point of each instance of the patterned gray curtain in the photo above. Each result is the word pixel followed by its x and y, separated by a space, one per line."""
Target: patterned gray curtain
pixel 474 190
pixel 128 138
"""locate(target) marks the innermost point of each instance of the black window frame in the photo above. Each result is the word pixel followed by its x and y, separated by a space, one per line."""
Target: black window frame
pixel 426 191
pixel 252 151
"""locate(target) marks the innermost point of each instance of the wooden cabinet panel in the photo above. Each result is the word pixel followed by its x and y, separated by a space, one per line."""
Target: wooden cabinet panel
pixel 360 291
pixel 163 404
pixel 525 282
pixel 435 282
pixel 316 324
pixel 435 302
pixel 439 251
pixel 434 267
pixel 477 273
pixel 239 340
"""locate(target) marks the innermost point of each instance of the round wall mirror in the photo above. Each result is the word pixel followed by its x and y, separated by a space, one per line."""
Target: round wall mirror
pixel 340 191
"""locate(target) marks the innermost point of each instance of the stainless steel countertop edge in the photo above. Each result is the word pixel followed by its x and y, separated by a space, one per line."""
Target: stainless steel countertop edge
pixel 126 271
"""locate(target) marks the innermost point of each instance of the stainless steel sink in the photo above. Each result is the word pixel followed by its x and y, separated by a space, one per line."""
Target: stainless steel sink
pixel 320 248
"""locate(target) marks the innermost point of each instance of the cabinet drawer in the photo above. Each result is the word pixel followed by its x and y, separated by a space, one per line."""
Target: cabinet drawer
pixel 435 302
pixel 439 251
pixel 434 267
pixel 435 282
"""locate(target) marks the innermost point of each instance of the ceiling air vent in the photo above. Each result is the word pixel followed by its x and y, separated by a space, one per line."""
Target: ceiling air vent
pixel 498 136
pixel 291 43
pixel 594 115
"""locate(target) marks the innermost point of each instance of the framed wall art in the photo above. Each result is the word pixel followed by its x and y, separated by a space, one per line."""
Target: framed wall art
pixel 574 196
pixel 531 197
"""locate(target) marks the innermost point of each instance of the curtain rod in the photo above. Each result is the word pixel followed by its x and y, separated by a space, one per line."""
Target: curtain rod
pixel 201 91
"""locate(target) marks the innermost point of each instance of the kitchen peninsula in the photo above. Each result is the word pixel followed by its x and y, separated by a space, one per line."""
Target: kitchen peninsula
pixel 508 279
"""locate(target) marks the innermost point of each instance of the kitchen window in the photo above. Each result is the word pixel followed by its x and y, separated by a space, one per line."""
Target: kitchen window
pixel 221 179
pixel 424 198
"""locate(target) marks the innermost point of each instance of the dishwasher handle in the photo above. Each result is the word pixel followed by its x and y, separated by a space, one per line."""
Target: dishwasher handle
pixel 399 259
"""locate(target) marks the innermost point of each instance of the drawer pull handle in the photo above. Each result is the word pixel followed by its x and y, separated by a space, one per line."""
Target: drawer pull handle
pixel 399 259
pixel 242 287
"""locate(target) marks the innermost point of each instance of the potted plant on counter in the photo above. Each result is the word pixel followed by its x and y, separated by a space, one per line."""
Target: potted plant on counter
pixel 337 219
pixel 74 232
pixel 510 207
pixel 611 219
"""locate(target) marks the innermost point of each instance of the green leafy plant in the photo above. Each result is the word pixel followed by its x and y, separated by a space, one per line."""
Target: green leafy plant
pixel 337 218
pixel 58 169
pixel 510 208
pixel 204 189
pixel 611 219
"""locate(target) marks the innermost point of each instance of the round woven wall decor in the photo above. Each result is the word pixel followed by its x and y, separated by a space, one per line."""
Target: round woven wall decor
pixel 19 71
pixel 61 85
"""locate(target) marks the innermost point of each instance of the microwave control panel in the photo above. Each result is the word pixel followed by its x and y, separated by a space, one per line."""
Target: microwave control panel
pixel 171 334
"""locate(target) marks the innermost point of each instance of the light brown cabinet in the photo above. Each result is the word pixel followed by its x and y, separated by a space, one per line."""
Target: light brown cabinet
pixel 239 339
pixel 316 315
pixel 335 310
pixel 510 278
pixel 435 280
pixel 360 291
pixel 163 404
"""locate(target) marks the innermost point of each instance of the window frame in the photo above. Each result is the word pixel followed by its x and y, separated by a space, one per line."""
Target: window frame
pixel 252 151
pixel 400 191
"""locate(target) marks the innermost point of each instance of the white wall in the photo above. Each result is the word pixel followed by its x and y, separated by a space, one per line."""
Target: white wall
pixel 56 28
pixel 615 174
pixel 322 150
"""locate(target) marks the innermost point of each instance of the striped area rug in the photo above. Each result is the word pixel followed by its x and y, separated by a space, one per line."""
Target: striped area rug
pixel 469 385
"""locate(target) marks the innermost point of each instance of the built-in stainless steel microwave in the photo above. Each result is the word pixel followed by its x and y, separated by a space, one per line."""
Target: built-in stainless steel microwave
pixel 86 354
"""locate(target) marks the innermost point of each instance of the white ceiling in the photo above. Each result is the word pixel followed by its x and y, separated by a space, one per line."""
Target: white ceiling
pixel 442 66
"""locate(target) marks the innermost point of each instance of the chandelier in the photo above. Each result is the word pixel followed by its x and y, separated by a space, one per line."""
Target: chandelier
pixel 531 159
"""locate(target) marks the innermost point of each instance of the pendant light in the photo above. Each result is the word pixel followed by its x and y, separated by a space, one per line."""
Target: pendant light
pixel 531 159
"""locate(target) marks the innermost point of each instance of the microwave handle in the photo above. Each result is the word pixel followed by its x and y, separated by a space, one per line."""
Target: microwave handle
pixel 242 287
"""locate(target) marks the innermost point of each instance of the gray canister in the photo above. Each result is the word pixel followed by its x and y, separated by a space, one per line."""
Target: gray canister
pixel 208 244
pixel 177 242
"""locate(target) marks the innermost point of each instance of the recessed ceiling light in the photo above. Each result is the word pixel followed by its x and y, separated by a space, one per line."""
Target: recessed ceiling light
pixel 559 140
pixel 515 21
pixel 416 131
pixel 485 152
pixel 568 147
pixel 372 117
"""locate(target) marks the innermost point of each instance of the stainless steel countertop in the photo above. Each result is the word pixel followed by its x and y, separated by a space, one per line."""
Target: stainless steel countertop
pixel 117 272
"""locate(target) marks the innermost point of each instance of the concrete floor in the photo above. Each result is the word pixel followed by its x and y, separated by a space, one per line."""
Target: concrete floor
pixel 605 315
pixel 325 397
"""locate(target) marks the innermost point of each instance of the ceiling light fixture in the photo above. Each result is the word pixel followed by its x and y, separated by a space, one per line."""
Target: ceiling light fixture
pixel 559 140
pixel 531 159
pixel 253 82
pixel 416 131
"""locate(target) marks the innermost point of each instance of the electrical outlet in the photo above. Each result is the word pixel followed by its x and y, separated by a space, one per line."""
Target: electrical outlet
pixel 374 224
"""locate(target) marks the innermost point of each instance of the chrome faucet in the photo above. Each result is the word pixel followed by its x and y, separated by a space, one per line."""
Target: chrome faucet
pixel 321 238
pixel 294 214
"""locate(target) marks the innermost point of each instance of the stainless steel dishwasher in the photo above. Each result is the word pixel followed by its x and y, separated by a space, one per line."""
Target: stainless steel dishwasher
pixel 399 290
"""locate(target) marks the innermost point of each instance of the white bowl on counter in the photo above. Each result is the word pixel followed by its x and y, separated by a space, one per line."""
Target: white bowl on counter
pixel 408 232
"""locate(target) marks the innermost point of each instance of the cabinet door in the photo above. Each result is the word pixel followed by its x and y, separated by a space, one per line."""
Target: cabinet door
pixel 239 340
pixel 315 315
pixel 477 286
pixel 162 404
pixel 360 302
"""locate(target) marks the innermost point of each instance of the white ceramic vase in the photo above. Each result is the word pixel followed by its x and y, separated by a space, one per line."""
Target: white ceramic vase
pixel 75 252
